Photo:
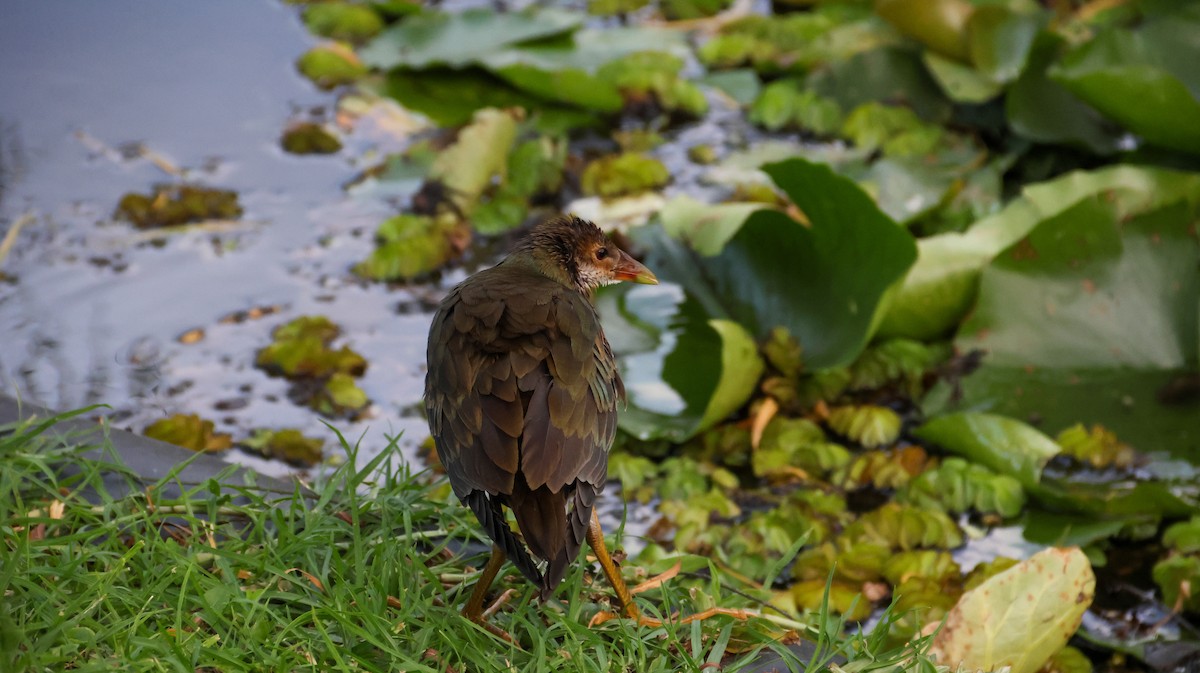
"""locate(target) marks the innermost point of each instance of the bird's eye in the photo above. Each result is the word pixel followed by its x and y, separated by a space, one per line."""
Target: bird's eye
pixel 601 253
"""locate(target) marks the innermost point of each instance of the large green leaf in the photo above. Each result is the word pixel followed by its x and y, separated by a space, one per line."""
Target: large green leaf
pixel 683 371
pixel 824 280
pixel 1011 447
pixel 1001 39
pixel 940 25
pixel 451 97
pixel 941 287
pixel 1145 79
pixel 1020 617
pixel 1089 318
pixel 1042 110
pixel 540 54
pixel 886 74
pixel 441 38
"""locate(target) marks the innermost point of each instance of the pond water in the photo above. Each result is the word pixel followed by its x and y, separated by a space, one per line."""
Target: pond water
pixel 94 309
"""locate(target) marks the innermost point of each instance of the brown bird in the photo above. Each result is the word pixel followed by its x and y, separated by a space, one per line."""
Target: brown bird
pixel 522 392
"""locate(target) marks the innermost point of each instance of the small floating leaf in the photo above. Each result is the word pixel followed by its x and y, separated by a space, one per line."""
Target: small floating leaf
pixel 408 246
pixel 331 65
pixel 1098 447
pixel 289 445
pixel 1178 577
pixel 189 431
pixel 623 174
pixel 171 205
pixel 310 138
pixel 345 22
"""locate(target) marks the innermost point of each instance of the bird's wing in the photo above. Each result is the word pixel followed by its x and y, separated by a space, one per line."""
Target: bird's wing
pixel 570 420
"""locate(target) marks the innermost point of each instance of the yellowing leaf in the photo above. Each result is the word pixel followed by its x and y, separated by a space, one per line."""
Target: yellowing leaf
pixel 480 153
pixel 1020 617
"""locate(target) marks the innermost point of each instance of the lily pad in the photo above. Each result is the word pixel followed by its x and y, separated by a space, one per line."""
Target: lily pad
pixel 887 74
pixel 941 287
pixel 1020 617
pixel 460 39
pixel 1087 318
pixel 826 279
pixel 1043 110
pixel 1145 78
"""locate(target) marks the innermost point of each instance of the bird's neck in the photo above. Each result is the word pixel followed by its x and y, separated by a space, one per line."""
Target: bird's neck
pixel 546 263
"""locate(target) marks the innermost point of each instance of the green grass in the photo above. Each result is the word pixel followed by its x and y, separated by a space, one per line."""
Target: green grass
pixel 357 576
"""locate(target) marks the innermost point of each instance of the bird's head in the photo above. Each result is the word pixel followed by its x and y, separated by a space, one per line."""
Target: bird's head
pixel 577 253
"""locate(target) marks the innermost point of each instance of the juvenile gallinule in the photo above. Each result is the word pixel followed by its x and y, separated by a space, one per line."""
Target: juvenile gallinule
pixel 522 393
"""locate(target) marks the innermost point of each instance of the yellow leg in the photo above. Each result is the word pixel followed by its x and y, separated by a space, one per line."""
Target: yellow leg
pixel 473 610
pixel 595 538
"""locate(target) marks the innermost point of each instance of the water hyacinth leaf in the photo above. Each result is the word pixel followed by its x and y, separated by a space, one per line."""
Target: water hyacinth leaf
pixel 1020 617
pixel 683 371
pixel 458 39
pixel 1003 444
pixel 942 285
pixel 843 598
pixel 171 205
pixel 825 281
pixel 1100 311
pixel 1145 79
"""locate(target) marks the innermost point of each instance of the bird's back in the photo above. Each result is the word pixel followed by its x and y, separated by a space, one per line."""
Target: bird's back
pixel 521 396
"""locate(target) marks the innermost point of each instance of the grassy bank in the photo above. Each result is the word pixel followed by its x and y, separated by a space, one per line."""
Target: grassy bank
pixel 364 573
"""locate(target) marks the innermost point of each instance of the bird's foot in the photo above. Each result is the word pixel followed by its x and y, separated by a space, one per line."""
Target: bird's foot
pixel 482 618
